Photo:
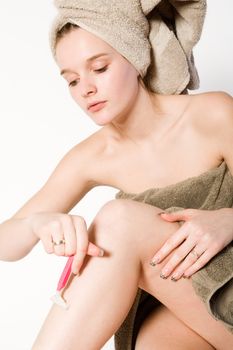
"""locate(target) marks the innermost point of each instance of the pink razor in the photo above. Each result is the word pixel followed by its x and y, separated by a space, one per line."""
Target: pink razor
pixel 57 298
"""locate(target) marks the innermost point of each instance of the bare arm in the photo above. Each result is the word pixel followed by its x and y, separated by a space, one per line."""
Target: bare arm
pixel 65 187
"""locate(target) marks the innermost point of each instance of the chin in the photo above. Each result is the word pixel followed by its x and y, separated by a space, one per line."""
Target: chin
pixel 102 119
pixel 104 122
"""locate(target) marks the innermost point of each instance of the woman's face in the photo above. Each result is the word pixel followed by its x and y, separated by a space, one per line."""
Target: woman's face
pixel 109 77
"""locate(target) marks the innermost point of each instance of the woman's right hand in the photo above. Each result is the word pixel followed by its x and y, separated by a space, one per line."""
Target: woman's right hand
pixel 54 227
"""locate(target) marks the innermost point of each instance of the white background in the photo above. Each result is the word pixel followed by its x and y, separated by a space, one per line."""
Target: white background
pixel 39 123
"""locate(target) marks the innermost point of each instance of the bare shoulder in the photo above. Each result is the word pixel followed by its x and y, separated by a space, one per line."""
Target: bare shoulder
pixel 212 119
pixel 98 151
pixel 78 171
pixel 214 108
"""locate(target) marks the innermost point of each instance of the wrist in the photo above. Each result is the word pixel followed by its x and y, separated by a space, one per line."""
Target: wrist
pixel 28 222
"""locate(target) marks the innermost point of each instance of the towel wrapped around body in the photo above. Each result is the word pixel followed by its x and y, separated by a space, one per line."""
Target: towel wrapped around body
pixel 214 282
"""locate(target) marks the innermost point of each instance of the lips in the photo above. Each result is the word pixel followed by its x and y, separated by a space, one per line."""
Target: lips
pixel 96 106
pixel 93 104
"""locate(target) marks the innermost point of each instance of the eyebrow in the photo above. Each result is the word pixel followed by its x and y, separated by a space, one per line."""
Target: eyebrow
pixel 63 71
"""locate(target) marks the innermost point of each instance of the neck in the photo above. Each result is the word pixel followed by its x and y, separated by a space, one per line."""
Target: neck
pixel 142 119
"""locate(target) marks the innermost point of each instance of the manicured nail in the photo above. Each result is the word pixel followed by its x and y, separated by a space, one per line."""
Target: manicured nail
pixel 101 252
pixel 176 276
pixel 174 279
pixel 154 262
pixel 163 276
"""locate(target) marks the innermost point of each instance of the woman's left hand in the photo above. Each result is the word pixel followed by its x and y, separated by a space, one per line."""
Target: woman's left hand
pixel 203 234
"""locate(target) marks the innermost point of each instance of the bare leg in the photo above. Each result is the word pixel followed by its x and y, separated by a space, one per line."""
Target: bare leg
pixel 97 305
pixel 101 297
pixel 163 330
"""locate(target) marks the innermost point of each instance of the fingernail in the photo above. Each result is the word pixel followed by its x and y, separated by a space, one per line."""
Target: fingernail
pixel 176 276
pixel 154 261
pixel 166 271
pixel 174 279
pixel 101 252
pixel 163 276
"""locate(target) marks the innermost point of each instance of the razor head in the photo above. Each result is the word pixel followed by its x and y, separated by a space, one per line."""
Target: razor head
pixel 57 299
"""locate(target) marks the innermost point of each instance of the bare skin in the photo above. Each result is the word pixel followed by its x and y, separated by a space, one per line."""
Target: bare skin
pixel 121 224
pixel 195 329
pixel 143 139
pixel 189 146
pixel 162 329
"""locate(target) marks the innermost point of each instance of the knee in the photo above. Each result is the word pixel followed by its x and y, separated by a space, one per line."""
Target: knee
pixel 111 220
pixel 112 213
pixel 127 219
pixel 108 231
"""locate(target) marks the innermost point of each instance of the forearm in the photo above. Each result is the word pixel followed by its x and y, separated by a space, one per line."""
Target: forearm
pixel 16 239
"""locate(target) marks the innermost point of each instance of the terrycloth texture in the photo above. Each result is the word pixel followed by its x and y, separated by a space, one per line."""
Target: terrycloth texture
pixel 214 282
pixel 156 36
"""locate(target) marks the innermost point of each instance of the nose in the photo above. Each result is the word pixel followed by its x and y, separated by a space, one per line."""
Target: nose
pixel 87 87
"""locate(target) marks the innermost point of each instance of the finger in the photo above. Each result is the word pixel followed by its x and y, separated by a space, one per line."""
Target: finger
pixel 181 215
pixel 94 250
pixel 46 240
pixel 57 234
pixel 47 244
pixel 201 262
pixel 189 261
pixel 69 234
pixel 173 242
pixel 71 240
pixel 82 243
pixel 177 257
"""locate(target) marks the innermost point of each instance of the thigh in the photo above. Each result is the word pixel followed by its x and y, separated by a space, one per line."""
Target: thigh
pixel 163 330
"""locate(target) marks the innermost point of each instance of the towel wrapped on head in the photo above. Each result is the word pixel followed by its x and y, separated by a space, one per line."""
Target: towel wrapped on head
pixel 156 36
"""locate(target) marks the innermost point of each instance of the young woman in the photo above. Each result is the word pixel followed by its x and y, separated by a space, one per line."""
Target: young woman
pixel 147 141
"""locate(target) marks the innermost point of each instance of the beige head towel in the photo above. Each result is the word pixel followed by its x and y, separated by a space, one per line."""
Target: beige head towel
pixel 156 36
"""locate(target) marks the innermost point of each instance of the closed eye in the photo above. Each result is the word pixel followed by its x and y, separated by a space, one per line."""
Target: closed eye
pixel 101 69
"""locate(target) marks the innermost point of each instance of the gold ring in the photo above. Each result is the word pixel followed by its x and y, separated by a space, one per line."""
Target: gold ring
pixel 195 253
pixel 62 241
